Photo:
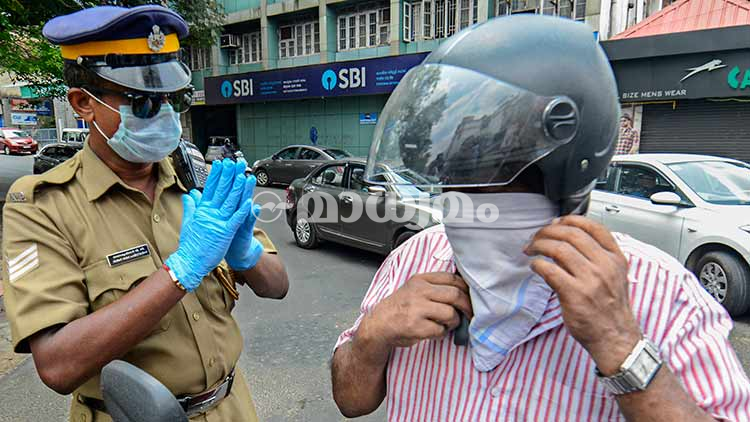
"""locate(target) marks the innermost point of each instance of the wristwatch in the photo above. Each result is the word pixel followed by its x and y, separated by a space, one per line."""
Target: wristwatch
pixel 637 372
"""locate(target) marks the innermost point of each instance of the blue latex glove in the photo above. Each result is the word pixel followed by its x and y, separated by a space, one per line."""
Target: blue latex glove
pixel 209 223
pixel 245 250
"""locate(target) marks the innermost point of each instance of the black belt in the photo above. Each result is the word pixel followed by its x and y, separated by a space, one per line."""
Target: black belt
pixel 191 404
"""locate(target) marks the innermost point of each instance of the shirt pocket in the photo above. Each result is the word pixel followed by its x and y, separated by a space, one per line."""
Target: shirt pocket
pixel 219 299
pixel 107 284
pixel 574 397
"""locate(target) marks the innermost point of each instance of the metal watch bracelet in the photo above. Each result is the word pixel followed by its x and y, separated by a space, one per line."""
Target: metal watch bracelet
pixel 637 372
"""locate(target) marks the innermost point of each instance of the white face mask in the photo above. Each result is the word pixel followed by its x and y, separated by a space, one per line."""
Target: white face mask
pixel 508 298
pixel 143 140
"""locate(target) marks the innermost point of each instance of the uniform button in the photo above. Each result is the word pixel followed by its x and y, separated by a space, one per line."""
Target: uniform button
pixel 157 218
pixel 211 362
pixel 495 392
pixel 196 316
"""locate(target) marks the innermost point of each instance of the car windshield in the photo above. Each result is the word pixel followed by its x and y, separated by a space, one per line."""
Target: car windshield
pixel 15 134
pixel 337 154
pixel 404 180
pixel 717 182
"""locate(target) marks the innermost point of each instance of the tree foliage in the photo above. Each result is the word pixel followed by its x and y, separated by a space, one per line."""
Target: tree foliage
pixel 28 57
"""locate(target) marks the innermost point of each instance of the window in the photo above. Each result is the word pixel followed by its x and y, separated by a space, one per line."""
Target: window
pixel 316 38
pixel 384 25
pixel 337 154
pixel 437 18
pixel 372 19
pixel 606 182
pixel 363 28
pixel 301 39
pixel 356 179
pixel 416 27
pixel 52 152
pixel 197 58
pixel 288 154
pixel 427 20
pixel 573 9
pixel 342 34
pixel 407 22
pixel 249 50
pixel 309 154
pixel 642 182
pixel 330 176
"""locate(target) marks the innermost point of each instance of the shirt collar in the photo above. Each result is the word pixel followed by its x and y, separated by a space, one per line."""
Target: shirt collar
pixel 98 178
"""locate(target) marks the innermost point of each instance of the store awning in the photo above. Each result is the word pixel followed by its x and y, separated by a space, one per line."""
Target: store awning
pixel 691 15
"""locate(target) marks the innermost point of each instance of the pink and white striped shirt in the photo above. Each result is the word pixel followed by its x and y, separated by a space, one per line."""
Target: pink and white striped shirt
pixel 549 376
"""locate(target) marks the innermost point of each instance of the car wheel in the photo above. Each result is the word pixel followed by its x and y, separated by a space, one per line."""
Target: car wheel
pixel 262 177
pixel 304 234
pixel 403 237
pixel 6 150
pixel 726 278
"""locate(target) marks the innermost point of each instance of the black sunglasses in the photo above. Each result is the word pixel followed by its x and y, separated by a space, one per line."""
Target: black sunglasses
pixel 146 104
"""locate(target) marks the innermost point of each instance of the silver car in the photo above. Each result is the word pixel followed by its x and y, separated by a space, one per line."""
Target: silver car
pixel 693 207
pixel 294 162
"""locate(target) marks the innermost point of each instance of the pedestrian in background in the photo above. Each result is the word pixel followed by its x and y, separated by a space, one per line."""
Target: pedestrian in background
pixel 108 257
pixel 568 322
pixel 629 141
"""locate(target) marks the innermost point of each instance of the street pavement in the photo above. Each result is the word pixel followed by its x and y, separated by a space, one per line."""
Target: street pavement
pixel 287 343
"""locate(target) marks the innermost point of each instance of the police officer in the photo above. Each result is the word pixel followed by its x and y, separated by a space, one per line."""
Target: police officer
pixel 107 256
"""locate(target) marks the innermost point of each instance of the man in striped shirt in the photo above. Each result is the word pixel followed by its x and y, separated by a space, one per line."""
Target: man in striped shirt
pixel 610 328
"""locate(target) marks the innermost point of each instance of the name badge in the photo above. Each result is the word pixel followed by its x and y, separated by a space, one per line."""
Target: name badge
pixel 128 255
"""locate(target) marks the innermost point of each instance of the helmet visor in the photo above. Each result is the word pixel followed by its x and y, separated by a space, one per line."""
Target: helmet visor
pixel 452 127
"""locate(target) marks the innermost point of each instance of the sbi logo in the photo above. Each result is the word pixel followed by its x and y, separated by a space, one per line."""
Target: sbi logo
pixel 240 87
pixel 226 89
pixel 355 77
pixel 329 80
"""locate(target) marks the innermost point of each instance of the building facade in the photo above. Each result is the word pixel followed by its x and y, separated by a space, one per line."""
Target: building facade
pixel 304 71
pixel 684 75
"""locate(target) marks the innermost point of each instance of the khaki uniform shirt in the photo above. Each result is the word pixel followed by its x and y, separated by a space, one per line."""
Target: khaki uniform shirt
pixel 59 229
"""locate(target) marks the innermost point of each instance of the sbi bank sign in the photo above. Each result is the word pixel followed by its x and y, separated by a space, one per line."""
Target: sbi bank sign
pixel 359 77
pixel 238 88
pixel 352 77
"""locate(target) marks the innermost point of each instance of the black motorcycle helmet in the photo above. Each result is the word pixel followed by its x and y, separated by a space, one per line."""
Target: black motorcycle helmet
pixel 497 98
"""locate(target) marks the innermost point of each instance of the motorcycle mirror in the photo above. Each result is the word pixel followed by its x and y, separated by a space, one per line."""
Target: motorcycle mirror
pixel 132 395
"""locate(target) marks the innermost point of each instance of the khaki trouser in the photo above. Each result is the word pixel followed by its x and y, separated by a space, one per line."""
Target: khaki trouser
pixel 238 406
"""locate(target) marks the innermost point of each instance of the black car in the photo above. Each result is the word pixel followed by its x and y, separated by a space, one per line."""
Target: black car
pixel 293 162
pixel 54 154
pixel 341 183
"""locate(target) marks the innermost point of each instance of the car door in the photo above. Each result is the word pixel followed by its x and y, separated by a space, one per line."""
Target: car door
pixel 307 161
pixel 48 158
pixel 629 210
pixel 322 199
pixel 358 208
pixel 279 169
pixel 603 193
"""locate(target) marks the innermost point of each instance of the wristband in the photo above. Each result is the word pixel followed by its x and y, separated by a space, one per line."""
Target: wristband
pixel 173 277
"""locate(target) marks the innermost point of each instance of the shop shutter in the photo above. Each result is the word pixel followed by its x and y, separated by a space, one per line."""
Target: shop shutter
pixel 718 128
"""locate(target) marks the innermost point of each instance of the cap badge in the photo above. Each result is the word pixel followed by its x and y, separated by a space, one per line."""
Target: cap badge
pixel 156 39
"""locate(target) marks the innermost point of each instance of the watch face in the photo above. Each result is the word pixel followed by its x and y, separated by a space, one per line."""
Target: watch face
pixel 643 367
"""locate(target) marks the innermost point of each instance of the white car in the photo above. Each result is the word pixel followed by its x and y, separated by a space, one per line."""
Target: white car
pixel 694 207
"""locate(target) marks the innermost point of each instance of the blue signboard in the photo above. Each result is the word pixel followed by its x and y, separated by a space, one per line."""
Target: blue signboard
pixel 359 77
pixel 368 118
pixel 44 108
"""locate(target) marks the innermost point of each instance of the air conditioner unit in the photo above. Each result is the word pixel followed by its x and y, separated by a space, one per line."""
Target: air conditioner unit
pixel 229 41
